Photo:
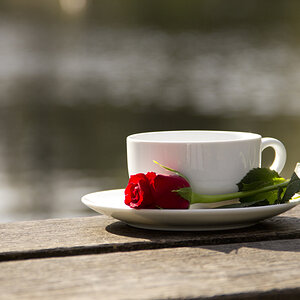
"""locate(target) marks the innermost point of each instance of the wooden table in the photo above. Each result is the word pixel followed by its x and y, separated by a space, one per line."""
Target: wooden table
pixel 101 258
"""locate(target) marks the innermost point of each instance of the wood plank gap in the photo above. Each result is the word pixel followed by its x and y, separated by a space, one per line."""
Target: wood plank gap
pixel 275 294
pixel 135 246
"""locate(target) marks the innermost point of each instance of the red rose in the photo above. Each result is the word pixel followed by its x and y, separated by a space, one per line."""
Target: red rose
pixel 138 193
pixel 155 191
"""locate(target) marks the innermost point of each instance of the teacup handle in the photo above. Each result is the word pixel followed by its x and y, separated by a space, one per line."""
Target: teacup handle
pixel 280 153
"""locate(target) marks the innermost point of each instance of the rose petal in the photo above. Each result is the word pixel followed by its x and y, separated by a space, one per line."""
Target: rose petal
pixel 138 193
pixel 163 189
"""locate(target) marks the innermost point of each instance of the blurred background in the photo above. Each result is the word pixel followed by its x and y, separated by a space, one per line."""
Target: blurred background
pixel 78 76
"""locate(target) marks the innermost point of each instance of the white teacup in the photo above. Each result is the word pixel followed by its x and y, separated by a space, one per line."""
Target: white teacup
pixel 213 161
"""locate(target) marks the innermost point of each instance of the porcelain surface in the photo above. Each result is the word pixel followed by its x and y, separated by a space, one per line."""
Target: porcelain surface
pixel 213 161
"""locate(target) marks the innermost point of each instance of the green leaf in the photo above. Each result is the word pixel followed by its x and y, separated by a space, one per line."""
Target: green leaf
pixel 279 195
pixel 259 178
pixel 246 204
pixel 185 193
pixel 292 188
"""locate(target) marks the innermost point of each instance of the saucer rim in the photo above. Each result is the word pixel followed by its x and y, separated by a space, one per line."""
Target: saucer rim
pixel 196 219
pixel 84 199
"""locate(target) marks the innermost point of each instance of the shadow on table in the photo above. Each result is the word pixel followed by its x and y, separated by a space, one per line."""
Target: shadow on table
pixel 291 245
pixel 257 236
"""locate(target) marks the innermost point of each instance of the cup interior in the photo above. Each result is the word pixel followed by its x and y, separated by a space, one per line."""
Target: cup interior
pixel 192 136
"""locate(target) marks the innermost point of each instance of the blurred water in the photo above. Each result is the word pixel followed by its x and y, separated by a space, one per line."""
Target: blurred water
pixel 228 71
pixel 71 93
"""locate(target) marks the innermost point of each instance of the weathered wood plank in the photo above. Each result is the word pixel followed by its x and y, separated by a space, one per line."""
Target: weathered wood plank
pixel 101 234
pixel 259 270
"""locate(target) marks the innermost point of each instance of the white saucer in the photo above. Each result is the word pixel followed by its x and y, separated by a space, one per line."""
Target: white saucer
pixel 111 203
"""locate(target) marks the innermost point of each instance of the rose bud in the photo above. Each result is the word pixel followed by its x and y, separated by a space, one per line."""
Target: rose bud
pixel 164 188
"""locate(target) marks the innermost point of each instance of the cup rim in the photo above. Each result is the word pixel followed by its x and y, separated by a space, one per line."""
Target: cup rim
pixel 242 136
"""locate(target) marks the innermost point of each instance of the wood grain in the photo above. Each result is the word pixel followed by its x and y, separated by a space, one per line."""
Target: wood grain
pixel 258 270
pixel 100 234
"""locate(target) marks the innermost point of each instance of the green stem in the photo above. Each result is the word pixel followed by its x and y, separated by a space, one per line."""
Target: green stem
pixel 198 198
